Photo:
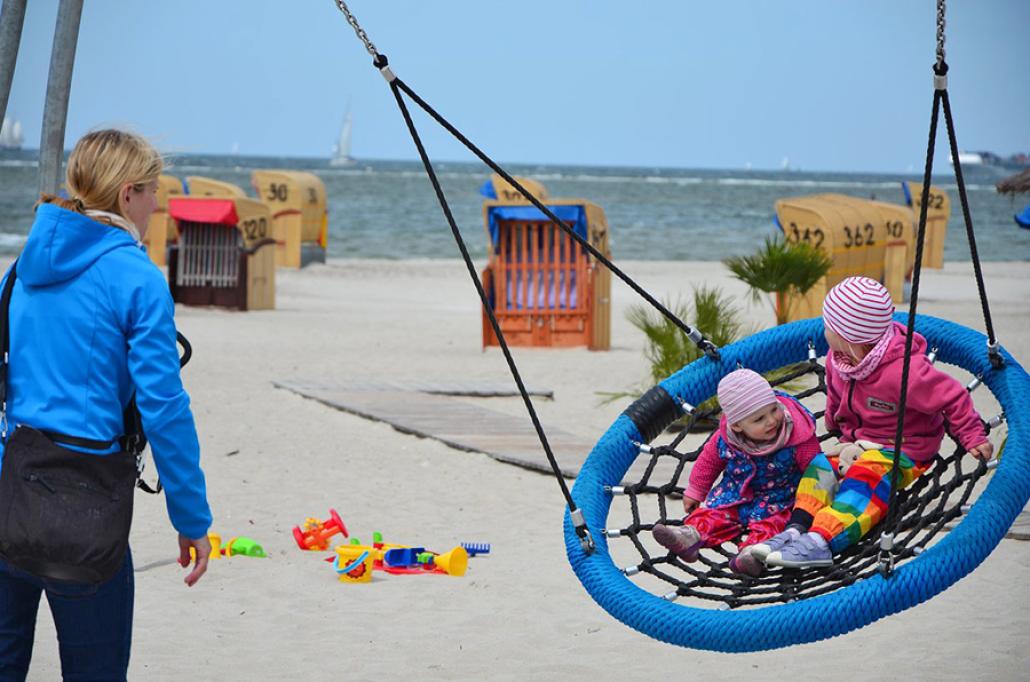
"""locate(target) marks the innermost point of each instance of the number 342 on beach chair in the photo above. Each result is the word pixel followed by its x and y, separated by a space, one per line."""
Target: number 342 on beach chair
pixel 544 287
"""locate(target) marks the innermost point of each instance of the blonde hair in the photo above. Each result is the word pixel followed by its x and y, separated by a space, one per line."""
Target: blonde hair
pixel 103 162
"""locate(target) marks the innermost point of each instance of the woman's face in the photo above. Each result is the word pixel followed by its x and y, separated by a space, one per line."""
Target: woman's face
pixel 761 425
pixel 138 204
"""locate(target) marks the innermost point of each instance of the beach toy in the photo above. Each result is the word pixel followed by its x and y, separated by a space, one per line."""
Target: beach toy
pixel 454 562
pixel 243 547
pixel 475 549
pixel 405 557
pixel 216 547
pixel 353 564
pixel 316 534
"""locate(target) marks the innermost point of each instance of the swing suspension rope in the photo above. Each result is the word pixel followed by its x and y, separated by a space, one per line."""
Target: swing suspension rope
pixel 940 97
pixel 397 86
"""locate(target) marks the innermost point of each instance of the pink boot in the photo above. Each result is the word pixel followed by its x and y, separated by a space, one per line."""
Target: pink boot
pixel 683 541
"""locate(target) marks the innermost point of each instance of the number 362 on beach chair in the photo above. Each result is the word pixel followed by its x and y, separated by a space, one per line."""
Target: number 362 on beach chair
pixel 544 287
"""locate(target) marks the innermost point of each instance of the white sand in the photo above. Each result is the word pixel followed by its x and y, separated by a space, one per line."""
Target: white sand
pixel 519 613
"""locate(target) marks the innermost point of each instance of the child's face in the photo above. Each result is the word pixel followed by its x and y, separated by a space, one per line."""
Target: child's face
pixel 761 425
pixel 856 351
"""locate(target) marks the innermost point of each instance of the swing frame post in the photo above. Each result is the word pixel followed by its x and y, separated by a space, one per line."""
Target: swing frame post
pixel 58 90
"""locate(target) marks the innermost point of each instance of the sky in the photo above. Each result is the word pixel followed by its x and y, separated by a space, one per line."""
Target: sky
pixel 832 85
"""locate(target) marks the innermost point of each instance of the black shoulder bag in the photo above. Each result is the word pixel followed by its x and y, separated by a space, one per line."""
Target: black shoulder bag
pixel 65 515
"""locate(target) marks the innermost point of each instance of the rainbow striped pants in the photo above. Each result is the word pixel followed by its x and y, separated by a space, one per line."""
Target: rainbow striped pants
pixel 844 517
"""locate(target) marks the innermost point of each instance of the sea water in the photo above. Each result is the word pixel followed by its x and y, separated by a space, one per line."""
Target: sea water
pixel 387 209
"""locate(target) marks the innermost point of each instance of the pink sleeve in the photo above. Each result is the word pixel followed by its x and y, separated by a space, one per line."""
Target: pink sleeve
pixel 832 401
pixel 932 392
pixel 706 469
pixel 806 452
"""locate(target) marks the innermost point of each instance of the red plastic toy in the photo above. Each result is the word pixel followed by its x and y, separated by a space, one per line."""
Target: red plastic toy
pixel 316 534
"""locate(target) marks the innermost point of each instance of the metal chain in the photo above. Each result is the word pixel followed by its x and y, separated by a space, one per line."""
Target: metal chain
pixel 940 33
pixel 362 36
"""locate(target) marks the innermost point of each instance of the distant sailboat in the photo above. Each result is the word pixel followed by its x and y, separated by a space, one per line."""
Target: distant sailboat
pixel 341 154
pixel 11 136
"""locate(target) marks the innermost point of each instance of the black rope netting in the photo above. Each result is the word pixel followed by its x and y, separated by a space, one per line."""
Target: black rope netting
pixel 937 497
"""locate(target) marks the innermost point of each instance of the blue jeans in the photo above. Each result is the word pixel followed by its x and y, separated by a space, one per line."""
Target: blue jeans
pixel 94 623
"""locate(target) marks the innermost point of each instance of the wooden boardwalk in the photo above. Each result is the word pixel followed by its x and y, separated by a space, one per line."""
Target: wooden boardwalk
pixel 435 410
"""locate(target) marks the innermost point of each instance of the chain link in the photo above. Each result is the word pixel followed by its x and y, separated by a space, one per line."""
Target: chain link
pixel 362 36
pixel 940 33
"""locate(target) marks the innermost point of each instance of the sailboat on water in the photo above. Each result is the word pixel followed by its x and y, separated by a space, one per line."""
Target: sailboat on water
pixel 11 136
pixel 341 153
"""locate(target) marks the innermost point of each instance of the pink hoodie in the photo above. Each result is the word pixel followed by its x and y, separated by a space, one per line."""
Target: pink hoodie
pixel 709 465
pixel 867 409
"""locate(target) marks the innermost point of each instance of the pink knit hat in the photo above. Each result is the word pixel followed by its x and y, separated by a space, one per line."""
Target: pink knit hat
pixel 859 309
pixel 743 392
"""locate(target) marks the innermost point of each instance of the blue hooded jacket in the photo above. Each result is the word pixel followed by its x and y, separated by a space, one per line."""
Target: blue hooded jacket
pixel 91 321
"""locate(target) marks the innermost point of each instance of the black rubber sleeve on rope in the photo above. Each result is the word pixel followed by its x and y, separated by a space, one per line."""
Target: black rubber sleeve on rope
pixel 652 412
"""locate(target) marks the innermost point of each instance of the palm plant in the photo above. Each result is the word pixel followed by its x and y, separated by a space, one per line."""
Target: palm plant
pixel 668 349
pixel 785 271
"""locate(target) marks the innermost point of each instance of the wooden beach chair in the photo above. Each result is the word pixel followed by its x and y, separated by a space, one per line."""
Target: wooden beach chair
pixel 938 211
pixel 500 189
pixel 221 257
pixel 299 216
pixel 543 286
pixel 861 237
pixel 200 186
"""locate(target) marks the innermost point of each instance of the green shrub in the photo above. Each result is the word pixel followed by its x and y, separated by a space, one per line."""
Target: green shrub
pixel 782 270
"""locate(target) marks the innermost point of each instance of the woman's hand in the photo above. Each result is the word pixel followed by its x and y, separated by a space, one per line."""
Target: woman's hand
pixel 202 549
pixel 690 504
pixel 982 451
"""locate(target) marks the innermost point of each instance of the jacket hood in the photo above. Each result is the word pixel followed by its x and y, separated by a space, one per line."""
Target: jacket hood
pixel 896 347
pixel 63 243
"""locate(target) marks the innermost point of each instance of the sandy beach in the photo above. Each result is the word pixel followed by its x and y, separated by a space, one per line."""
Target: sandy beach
pixel 273 458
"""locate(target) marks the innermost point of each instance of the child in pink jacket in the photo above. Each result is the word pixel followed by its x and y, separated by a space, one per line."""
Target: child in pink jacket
pixel 764 443
pixel 863 380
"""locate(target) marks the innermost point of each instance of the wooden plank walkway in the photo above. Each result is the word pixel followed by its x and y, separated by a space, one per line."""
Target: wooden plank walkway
pixel 428 410
pixel 474 389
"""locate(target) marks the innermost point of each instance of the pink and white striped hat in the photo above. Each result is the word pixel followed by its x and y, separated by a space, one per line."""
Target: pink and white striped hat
pixel 743 392
pixel 859 309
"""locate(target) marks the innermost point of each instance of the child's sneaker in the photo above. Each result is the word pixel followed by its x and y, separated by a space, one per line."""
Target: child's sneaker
pixel 805 552
pixel 747 563
pixel 683 541
pixel 763 549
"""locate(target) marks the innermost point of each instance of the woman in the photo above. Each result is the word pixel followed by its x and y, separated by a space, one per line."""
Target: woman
pixel 91 325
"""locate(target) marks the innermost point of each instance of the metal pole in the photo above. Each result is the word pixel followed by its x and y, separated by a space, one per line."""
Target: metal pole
pixel 58 88
pixel 12 18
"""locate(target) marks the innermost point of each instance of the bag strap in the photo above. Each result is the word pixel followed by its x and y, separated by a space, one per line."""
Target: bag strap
pixel 5 345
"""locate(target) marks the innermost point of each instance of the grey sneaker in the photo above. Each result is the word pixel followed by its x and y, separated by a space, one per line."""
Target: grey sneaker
pixel 683 541
pixel 774 544
pixel 804 552
pixel 747 563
